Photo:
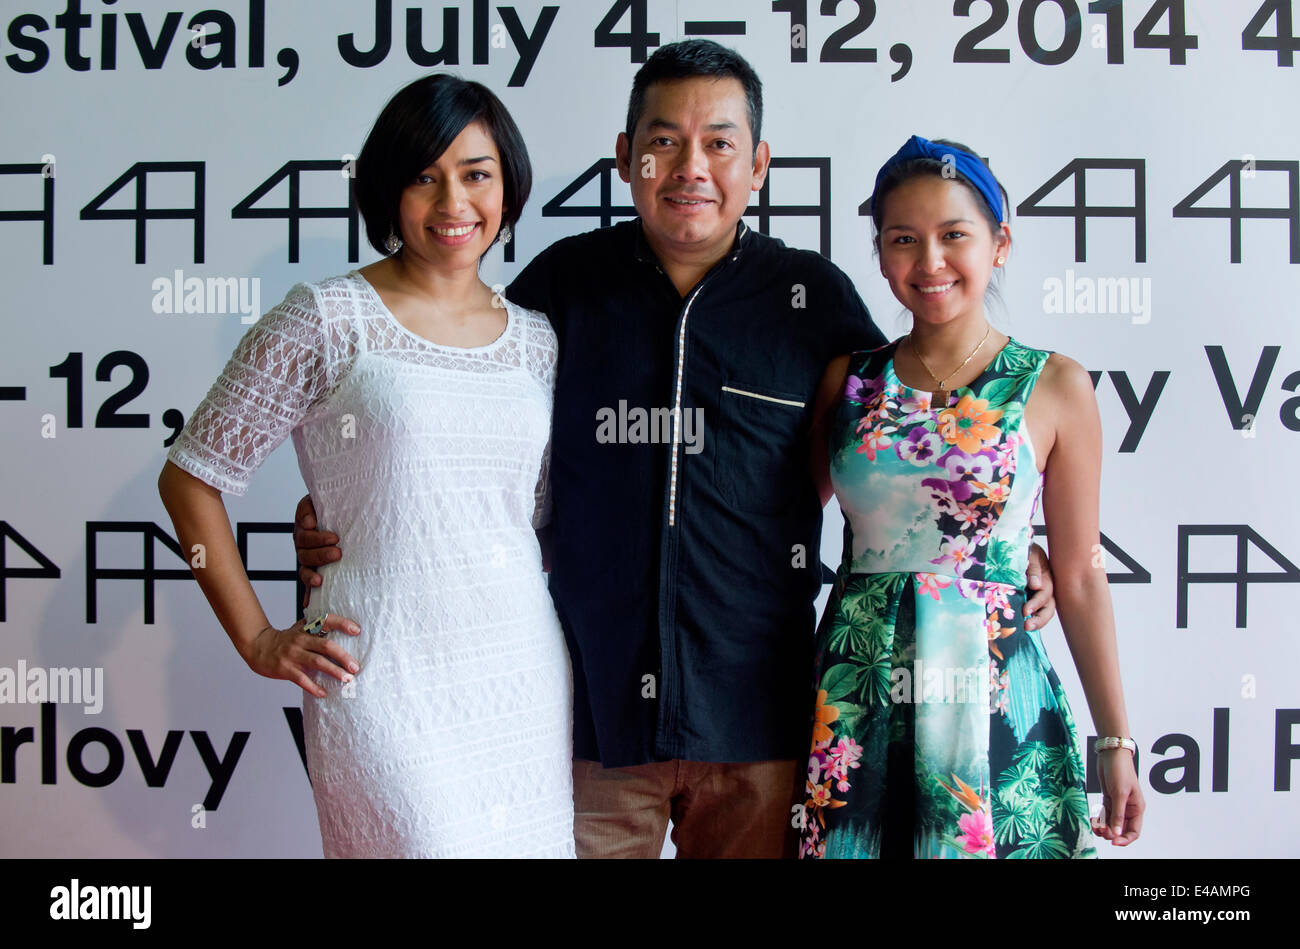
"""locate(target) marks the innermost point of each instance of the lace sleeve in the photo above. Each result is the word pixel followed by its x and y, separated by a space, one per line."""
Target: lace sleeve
pixel 278 370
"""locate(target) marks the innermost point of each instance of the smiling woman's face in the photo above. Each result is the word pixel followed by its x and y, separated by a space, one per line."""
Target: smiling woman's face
pixel 451 212
pixel 937 250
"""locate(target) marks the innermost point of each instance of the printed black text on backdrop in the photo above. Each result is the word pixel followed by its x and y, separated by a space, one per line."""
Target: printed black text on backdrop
pixel 167 174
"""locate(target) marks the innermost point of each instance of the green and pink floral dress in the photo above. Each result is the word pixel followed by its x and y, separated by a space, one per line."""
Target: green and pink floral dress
pixel 940 728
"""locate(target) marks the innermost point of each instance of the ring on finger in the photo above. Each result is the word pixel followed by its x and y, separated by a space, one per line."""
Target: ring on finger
pixel 314 627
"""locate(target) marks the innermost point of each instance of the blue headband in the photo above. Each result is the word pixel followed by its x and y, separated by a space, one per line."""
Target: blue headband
pixel 969 166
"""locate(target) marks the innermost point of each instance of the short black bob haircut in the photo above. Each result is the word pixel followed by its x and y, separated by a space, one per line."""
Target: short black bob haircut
pixel 415 127
pixel 933 168
pixel 687 60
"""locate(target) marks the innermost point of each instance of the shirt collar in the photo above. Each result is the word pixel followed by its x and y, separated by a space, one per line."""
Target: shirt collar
pixel 642 250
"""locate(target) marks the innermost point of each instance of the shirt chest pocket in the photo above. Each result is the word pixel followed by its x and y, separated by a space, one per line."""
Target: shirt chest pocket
pixel 760 458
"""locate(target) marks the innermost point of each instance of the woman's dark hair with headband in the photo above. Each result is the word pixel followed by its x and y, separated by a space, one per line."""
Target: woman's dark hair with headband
pixel 941 158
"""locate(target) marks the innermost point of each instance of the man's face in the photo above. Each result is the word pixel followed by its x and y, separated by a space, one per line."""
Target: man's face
pixel 692 165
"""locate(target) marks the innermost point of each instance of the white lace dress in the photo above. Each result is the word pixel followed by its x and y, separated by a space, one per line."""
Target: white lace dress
pixel 430 463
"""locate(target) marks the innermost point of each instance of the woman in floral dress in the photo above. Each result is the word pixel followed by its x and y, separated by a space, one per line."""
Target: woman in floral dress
pixel 940 727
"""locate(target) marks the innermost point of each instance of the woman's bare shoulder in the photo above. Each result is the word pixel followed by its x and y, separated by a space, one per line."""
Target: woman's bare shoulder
pixel 1065 381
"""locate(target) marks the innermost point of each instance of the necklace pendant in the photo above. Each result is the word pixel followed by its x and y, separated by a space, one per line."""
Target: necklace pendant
pixel 942 386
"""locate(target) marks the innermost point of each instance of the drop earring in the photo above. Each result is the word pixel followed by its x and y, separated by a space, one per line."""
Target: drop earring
pixel 392 243
pixel 505 234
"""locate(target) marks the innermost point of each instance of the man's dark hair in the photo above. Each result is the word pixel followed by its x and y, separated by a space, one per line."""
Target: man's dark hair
pixel 414 129
pixel 691 58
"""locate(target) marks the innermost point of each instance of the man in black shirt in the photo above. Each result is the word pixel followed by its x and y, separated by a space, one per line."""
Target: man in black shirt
pixel 686 528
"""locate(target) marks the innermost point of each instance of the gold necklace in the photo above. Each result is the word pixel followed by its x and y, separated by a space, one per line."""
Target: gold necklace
pixel 943 382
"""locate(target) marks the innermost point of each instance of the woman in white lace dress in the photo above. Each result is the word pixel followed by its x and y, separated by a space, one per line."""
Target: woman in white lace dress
pixel 419 403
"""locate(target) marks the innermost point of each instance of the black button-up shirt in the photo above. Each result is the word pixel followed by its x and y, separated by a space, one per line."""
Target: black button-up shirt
pixel 685 573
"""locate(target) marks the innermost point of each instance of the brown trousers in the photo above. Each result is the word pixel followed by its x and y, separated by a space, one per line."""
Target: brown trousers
pixel 718 810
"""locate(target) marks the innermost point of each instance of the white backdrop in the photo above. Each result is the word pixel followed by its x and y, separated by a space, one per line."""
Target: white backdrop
pixel 1131 107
